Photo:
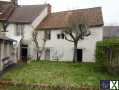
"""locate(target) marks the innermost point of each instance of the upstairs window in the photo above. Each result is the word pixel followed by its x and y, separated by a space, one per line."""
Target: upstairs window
pixel 60 36
pixel 19 29
pixel 48 34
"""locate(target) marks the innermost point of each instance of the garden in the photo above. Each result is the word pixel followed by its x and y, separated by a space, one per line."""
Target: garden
pixel 58 74
pixel 47 75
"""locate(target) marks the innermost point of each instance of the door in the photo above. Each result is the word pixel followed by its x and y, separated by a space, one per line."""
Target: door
pixel 24 53
pixel 47 54
pixel 79 55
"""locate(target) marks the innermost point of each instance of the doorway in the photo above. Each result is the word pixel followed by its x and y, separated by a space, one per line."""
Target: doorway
pixel 47 54
pixel 79 55
pixel 24 53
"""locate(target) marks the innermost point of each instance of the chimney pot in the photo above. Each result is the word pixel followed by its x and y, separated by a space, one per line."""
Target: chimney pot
pixel 49 8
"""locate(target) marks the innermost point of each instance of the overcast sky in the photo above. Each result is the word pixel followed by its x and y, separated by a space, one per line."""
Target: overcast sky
pixel 110 8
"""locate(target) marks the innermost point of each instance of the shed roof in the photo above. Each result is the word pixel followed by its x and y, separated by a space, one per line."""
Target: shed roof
pixel 6 38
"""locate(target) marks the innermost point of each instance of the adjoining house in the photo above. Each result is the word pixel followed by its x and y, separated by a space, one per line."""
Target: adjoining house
pixel 21 22
pixel 57 48
pixel 110 31
pixel 7 52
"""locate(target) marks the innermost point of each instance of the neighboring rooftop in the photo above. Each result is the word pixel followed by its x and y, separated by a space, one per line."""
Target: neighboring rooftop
pixel 19 13
pixel 6 9
pixel 26 13
pixel 110 31
pixel 60 20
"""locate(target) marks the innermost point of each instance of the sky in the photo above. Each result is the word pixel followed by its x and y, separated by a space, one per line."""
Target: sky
pixel 110 8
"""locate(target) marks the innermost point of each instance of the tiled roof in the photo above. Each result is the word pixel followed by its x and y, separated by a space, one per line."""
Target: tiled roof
pixel 60 20
pixel 26 13
pixel 20 14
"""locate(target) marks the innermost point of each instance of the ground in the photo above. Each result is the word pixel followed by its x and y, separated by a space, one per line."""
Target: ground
pixel 58 73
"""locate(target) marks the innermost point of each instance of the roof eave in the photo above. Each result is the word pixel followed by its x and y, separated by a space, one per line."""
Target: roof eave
pixel 53 28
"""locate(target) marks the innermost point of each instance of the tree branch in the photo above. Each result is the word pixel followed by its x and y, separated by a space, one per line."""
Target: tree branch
pixel 71 34
pixel 68 39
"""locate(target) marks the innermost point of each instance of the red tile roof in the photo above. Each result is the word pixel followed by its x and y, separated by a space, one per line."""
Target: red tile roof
pixel 60 20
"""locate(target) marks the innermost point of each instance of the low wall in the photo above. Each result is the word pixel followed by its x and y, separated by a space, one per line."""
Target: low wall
pixel 45 86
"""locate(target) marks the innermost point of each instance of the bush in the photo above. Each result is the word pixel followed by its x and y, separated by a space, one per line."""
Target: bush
pixel 107 54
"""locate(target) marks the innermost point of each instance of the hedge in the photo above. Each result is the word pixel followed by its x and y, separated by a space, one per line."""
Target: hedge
pixel 107 53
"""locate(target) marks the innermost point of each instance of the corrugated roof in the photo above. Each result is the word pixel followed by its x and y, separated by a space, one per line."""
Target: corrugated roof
pixel 60 20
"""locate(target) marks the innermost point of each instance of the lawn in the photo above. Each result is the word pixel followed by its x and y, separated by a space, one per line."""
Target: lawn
pixel 58 73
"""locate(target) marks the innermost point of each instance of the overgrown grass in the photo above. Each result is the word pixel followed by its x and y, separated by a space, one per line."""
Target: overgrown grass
pixel 58 73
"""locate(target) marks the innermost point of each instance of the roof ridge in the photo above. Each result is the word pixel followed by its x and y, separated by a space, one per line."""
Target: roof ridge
pixel 77 10
pixel 35 5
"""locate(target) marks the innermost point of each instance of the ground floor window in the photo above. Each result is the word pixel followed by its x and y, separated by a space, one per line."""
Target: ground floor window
pixel 47 54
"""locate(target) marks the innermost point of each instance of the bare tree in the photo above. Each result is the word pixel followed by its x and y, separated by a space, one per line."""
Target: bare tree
pixel 78 29
pixel 39 49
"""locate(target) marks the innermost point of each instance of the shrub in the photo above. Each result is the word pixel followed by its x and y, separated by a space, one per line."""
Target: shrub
pixel 107 54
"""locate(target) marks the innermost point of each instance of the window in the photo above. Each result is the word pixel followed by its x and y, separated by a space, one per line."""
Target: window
pixel 60 36
pixel 48 35
pixel 19 29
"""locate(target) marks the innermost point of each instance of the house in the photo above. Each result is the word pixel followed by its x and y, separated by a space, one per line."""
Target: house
pixel 21 22
pixel 57 48
pixel 7 52
pixel 110 31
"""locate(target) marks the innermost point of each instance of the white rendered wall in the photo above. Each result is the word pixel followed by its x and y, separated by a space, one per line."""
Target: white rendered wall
pixel 64 49
pixel 27 37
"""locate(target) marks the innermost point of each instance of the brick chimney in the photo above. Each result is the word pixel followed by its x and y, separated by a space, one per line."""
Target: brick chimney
pixel 49 8
pixel 14 2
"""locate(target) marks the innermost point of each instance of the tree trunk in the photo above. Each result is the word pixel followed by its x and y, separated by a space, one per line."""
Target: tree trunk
pixel 75 52
pixel 37 56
